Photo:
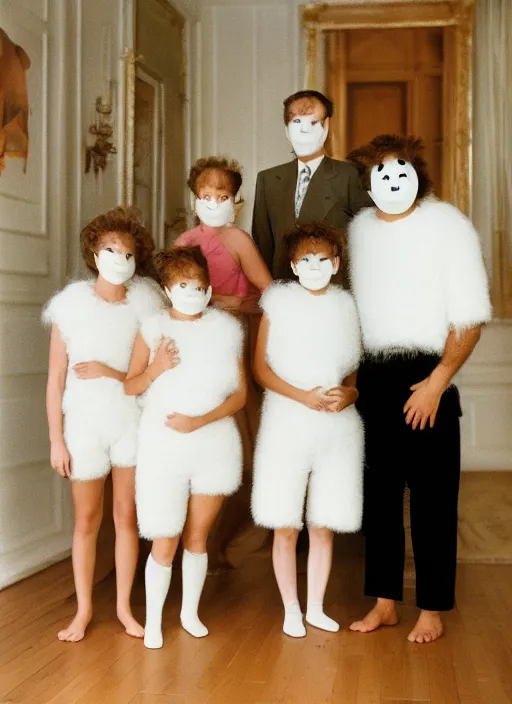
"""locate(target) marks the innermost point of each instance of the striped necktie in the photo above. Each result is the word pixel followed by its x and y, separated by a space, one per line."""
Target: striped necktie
pixel 302 187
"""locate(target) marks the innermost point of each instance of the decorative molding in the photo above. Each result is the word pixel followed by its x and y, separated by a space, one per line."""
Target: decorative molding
pixel 131 58
pixel 456 16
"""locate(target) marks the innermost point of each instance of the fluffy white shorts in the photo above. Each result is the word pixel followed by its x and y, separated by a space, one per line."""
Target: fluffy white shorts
pixel 97 443
pixel 171 466
pixel 301 452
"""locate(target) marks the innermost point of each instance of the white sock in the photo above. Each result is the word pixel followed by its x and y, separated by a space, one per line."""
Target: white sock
pixel 316 617
pixel 158 580
pixel 193 568
pixel 293 624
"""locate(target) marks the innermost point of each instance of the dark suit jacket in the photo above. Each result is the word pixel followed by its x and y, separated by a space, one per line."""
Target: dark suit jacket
pixel 333 197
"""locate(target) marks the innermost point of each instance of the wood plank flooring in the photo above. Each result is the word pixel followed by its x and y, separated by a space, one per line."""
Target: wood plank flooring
pixel 246 659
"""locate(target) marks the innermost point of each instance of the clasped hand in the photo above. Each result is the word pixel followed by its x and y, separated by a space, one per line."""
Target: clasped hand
pixel 333 400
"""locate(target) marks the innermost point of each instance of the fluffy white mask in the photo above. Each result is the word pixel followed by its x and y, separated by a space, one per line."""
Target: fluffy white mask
pixel 189 298
pixel 215 214
pixel 115 267
pixel 314 271
pixel 394 186
pixel 306 138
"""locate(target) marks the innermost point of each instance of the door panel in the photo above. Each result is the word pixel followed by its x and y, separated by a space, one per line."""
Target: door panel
pixel 35 525
pixel 375 108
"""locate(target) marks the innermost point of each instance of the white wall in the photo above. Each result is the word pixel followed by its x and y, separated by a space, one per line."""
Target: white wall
pixel 252 58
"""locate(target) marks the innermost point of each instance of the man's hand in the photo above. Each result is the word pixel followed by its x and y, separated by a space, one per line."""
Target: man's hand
pixel 183 424
pixel 423 403
pixel 91 370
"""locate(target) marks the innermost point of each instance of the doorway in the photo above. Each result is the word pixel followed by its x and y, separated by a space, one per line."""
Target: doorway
pixel 155 164
pixel 389 81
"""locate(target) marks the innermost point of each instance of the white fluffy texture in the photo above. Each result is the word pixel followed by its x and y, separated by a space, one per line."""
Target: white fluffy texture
pixel 100 423
pixel 415 278
pixel 171 465
pixel 313 341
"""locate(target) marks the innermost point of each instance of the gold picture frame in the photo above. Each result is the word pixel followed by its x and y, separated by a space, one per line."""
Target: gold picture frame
pixel 454 15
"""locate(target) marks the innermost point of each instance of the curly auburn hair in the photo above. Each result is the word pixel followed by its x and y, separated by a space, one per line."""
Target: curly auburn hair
pixel 124 221
pixel 176 262
pixel 385 145
pixel 217 170
pixel 308 99
pixel 315 235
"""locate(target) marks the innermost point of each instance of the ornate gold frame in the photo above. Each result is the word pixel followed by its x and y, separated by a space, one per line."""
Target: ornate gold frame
pixel 457 15
pixel 131 59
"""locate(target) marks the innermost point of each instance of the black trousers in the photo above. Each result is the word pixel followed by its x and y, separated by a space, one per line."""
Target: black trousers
pixel 428 462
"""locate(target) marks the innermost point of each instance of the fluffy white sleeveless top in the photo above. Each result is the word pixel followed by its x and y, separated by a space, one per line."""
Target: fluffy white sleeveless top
pixel 208 372
pixel 415 278
pixel 95 330
pixel 313 340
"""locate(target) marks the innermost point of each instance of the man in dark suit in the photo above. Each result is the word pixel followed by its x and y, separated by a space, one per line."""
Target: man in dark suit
pixel 311 188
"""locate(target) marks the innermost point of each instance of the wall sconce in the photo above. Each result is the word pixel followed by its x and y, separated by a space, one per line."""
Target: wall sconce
pixel 96 155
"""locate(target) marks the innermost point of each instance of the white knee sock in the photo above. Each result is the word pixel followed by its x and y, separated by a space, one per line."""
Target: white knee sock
pixel 158 580
pixel 193 567
pixel 316 617
pixel 293 624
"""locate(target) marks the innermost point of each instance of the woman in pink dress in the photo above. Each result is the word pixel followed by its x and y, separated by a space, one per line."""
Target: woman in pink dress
pixel 238 276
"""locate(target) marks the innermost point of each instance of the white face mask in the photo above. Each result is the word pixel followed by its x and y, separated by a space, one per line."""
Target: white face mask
pixel 314 271
pixel 306 138
pixel 215 214
pixel 394 186
pixel 189 298
pixel 114 267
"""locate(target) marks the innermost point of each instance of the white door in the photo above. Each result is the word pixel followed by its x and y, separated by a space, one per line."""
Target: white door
pixel 35 527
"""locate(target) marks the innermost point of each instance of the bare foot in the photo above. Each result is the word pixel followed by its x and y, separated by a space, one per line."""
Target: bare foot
pixel 76 629
pixel 428 628
pixel 133 627
pixel 382 614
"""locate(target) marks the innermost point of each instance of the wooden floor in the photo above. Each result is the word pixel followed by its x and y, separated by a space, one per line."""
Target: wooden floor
pixel 246 659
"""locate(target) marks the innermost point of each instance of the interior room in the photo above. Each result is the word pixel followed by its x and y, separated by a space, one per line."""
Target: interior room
pixel 108 103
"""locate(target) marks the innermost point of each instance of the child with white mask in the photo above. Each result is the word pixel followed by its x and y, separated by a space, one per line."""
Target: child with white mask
pixel 237 270
pixel 190 454
pixel 311 437
pixel 238 276
pixel 93 425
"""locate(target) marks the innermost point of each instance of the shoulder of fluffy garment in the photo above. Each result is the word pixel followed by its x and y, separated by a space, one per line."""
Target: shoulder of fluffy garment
pixel 466 283
pixel 152 326
pixel 226 326
pixel 278 294
pixel 64 302
pixel 363 218
pixel 146 297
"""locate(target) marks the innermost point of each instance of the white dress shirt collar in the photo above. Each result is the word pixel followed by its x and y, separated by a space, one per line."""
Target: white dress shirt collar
pixel 313 164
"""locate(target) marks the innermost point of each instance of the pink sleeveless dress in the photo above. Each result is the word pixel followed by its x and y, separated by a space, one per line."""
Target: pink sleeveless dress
pixel 226 276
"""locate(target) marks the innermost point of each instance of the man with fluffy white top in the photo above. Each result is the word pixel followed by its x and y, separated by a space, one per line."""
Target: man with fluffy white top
pixel 311 437
pixel 421 291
